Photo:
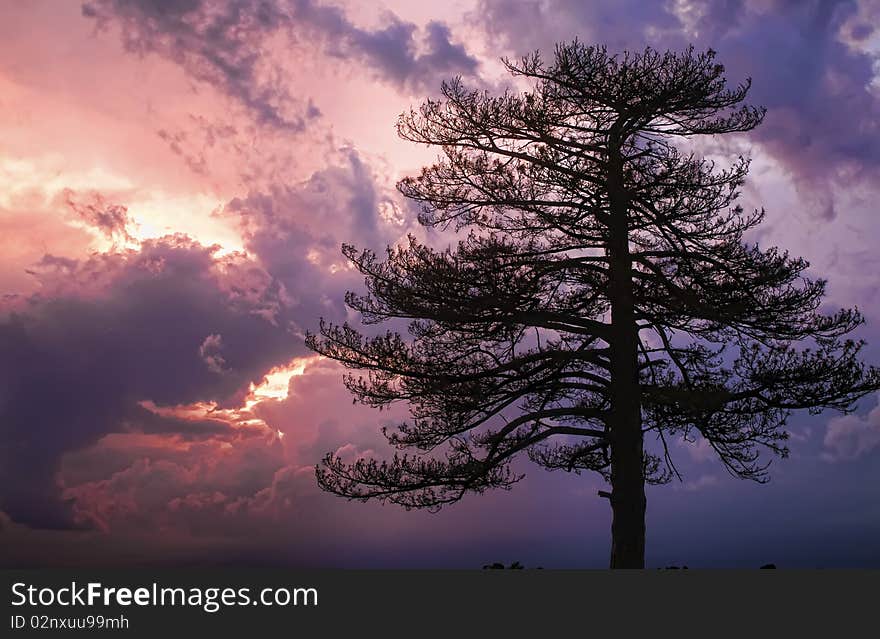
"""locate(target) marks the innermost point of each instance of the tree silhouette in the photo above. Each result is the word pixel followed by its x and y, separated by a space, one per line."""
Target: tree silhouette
pixel 605 292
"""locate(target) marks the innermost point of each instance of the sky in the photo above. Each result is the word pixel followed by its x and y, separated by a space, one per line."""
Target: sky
pixel 176 179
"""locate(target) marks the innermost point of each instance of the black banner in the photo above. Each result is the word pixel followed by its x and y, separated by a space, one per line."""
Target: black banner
pixel 176 602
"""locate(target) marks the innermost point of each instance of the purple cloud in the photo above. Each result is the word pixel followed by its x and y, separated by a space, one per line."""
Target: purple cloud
pixel 224 43
pixel 390 51
pixel 172 323
pixel 216 43
pixel 109 332
pixel 851 436
pixel 823 119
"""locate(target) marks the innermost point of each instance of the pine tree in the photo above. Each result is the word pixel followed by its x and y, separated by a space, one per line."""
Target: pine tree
pixel 605 291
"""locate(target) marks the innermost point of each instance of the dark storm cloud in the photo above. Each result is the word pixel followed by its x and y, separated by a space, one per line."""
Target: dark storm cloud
pixel 115 330
pixel 823 120
pixel 224 43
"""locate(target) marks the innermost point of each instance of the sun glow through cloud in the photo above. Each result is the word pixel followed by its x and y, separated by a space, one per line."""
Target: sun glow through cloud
pixel 275 384
pixel 273 387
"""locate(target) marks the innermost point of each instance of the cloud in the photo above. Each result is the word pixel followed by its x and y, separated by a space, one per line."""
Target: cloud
pixel 808 62
pixel 172 322
pixel 106 333
pixel 342 200
pixel 111 220
pixel 699 450
pixel 175 488
pixel 523 26
pixel 210 351
pixel 298 228
pixel 106 342
pixel 391 51
pixel 700 483
pixel 220 44
pixel 851 436
pixel 197 470
pixel 229 44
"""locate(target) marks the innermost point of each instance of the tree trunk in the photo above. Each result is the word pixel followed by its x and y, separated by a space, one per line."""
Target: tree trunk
pixel 628 501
